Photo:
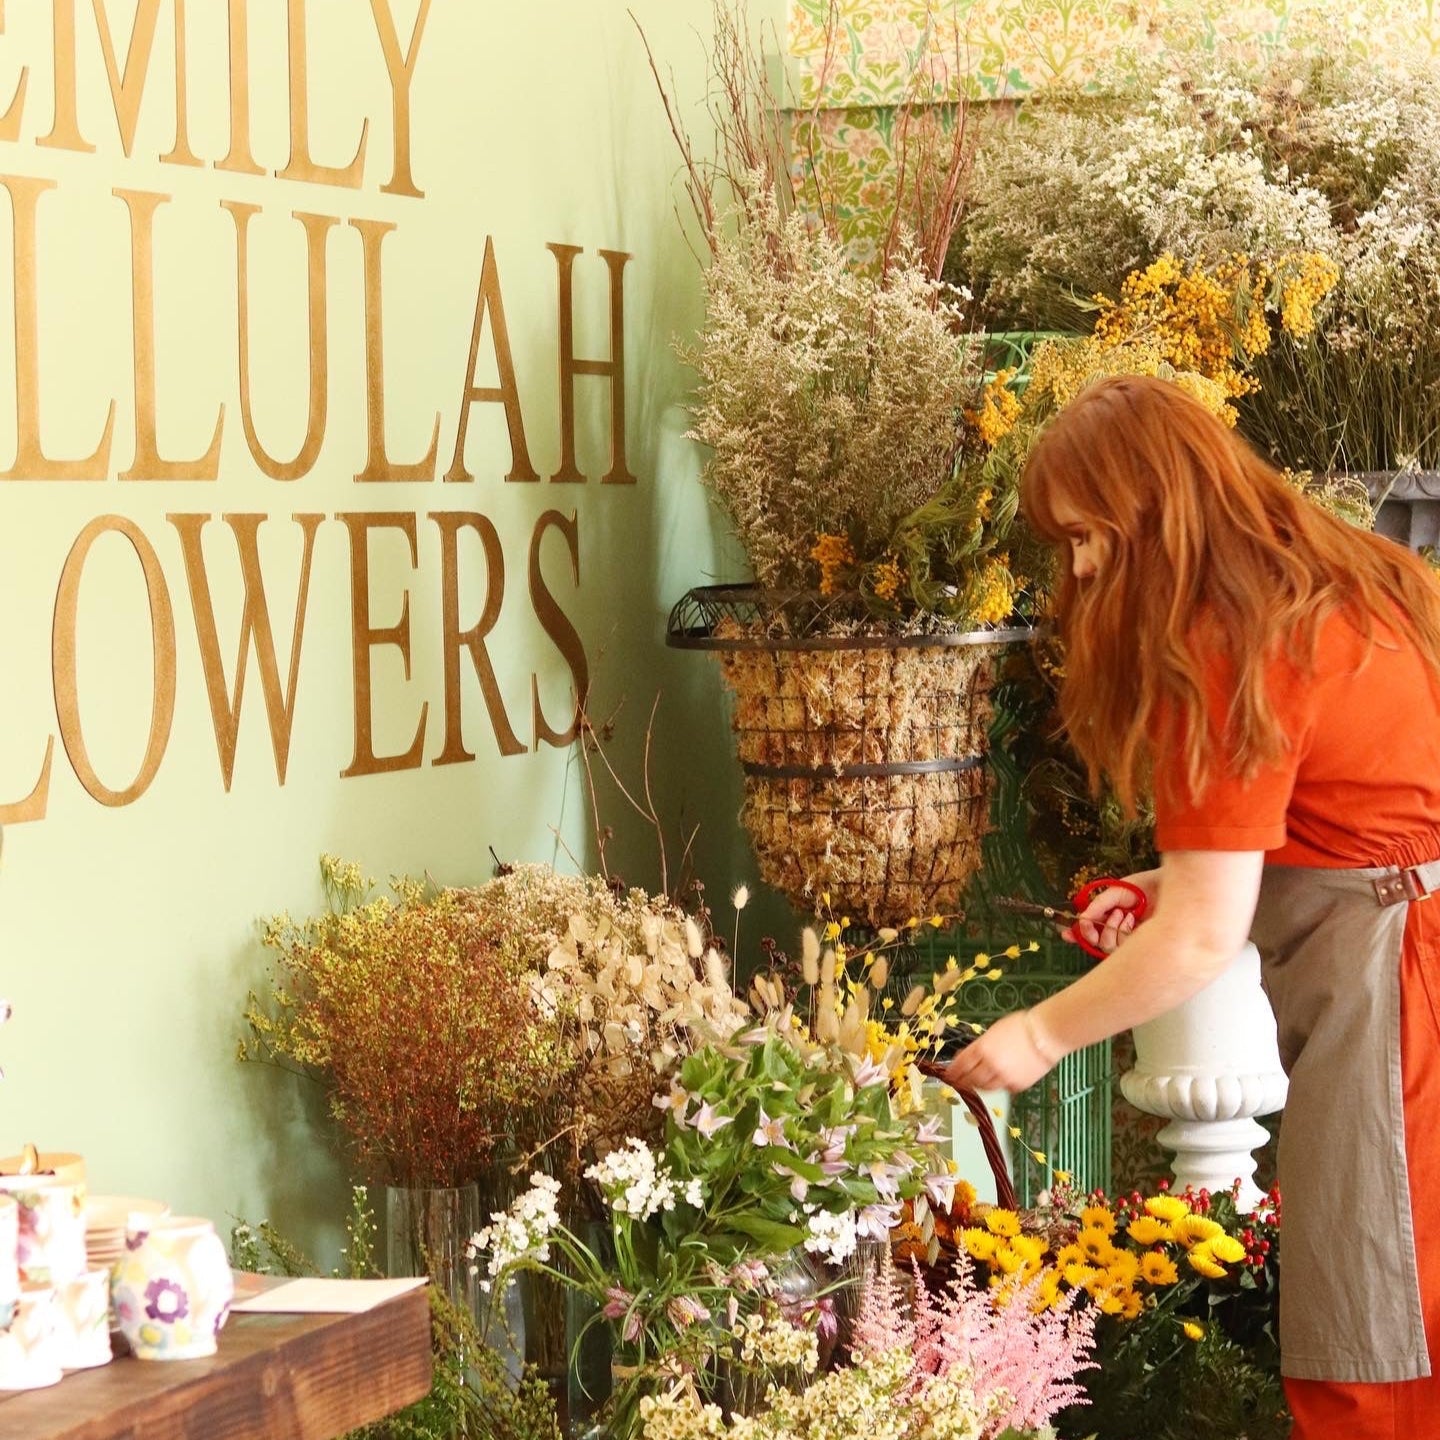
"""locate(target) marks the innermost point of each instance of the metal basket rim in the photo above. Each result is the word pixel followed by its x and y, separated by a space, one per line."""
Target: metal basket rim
pixel 732 597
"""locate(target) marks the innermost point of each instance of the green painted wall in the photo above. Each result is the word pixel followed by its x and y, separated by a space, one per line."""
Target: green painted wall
pixel 127 931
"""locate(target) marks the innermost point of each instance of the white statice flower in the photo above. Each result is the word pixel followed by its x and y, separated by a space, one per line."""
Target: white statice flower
pixel 832 1236
pixel 634 1182
pixel 520 1233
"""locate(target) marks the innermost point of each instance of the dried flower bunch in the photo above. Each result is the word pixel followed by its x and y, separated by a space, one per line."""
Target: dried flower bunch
pixel 422 1029
pixel 1335 159
pixel 837 399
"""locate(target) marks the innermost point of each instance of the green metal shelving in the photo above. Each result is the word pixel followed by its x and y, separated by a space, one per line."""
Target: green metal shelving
pixel 1067 1116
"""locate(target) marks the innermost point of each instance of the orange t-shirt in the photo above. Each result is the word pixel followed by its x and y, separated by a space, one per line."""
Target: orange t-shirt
pixel 1359 784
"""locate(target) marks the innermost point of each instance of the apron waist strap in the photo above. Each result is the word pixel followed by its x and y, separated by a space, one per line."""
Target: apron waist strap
pixel 1415 882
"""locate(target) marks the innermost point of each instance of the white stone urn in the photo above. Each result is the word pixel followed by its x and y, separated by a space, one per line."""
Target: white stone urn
pixel 1211 1066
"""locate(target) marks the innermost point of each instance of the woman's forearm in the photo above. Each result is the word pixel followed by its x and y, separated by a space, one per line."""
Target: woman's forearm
pixel 1155 969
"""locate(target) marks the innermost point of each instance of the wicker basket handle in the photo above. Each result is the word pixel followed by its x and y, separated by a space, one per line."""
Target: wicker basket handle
pixel 1005 1196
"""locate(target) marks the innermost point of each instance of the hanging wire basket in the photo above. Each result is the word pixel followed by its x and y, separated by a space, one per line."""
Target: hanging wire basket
pixel 863 754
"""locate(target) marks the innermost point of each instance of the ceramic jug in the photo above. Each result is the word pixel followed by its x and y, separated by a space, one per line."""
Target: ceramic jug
pixel 172 1287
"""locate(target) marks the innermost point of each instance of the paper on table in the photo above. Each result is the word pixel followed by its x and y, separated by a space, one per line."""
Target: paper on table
pixel 315 1296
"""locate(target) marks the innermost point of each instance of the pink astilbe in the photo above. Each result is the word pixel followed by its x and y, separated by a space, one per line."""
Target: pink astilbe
pixel 1020 1361
pixel 882 1322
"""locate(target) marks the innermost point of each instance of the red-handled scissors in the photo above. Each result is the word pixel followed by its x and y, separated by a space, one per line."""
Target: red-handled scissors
pixel 1137 907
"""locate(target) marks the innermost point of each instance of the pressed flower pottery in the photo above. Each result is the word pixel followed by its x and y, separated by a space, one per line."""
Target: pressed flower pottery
pixel 82 1321
pixel 9 1258
pixel 29 1351
pixel 172 1288
pixel 51 1227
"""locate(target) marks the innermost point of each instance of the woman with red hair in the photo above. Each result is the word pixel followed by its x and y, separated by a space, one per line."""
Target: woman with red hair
pixel 1271 676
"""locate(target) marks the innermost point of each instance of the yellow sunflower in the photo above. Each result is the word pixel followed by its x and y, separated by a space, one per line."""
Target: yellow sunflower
pixel 1095 1245
pixel 1157 1268
pixel 1227 1248
pixel 1069 1255
pixel 1147 1230
pixel 1166 1207
pixel 1202 1259
pixel 1006 1260
pixel 1123 1269
pixel 1002 1222
pixel 979 1244
pixel 1098 1217
pixel 1192 1229
pixel 1030 1248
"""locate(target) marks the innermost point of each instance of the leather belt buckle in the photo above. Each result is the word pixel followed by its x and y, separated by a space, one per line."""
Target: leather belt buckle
pixel 1400 886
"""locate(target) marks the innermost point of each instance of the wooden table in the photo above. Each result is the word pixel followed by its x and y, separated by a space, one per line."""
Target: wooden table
pixel 276 1377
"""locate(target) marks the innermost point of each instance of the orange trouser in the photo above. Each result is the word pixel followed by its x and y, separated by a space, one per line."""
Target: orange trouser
pixel 1406 1409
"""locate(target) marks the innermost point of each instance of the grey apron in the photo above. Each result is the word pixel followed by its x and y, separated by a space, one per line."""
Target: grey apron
pixel 1330 943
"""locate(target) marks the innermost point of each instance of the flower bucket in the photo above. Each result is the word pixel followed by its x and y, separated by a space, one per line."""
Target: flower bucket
pixel 864 755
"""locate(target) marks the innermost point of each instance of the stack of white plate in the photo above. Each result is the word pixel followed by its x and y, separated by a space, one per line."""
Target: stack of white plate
pixel 106 1217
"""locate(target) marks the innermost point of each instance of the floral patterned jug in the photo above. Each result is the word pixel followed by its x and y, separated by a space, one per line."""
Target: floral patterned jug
pixel 172 1288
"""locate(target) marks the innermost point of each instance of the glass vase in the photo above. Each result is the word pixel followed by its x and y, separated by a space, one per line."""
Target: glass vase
pixel 426 1232
pixel 588 1346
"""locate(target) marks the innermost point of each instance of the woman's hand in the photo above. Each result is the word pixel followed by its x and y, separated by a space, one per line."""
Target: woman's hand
pixel 1107 919
pixel 1011 1055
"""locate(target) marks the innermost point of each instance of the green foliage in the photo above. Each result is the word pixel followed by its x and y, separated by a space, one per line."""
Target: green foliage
pixel 472 1397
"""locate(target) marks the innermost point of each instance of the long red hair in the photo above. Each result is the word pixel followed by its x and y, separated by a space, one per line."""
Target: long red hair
pixel 1209 551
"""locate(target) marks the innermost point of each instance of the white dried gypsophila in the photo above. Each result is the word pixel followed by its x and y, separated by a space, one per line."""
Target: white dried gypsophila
pixel 832 1236
pixel 635 1183
pixel 520 1233
pixel 832 401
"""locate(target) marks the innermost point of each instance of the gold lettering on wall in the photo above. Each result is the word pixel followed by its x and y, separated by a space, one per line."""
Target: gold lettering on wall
pixel 35 804
pixel 454 640
pixel 255 629
pixel 365 637
pixel 401 70
pixel 507 392
pixel 15 112
pixel 317 228
pixel 612 369
pixel 65 129
pixel 148 463
pixel 64 666
pixel 558 627
pixel 301 166
pixel 239 158
pixel 378 465
pixel 31 463
pixel 127 88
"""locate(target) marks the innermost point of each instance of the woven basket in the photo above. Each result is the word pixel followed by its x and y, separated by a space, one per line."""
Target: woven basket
pixel 863 757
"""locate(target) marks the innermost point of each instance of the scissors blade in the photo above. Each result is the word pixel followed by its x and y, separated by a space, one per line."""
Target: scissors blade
pixel 1057 915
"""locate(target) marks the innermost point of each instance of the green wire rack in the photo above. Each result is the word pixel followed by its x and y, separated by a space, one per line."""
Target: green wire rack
pixel 1067 1116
